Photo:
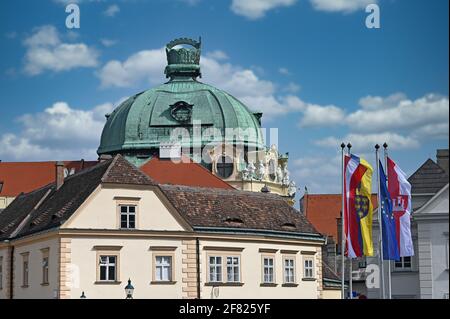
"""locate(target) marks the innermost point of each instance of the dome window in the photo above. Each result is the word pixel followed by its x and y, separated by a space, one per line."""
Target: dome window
pixel 225 166
pixel 181 111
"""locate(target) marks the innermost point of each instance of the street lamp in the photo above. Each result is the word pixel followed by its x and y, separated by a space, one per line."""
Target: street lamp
pixel 129 289
pixel 83 296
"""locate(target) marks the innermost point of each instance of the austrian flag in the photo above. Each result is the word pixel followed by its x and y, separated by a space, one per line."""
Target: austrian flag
pixel 358 209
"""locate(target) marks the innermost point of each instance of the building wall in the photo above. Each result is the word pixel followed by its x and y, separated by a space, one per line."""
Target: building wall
pixel 101 210
pixel 4 259
pixel 36 289
pixel 251 271
pixel 433 262
pixel 135 263
pixel 331 294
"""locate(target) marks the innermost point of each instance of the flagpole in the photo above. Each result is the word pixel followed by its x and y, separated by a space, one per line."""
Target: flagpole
pixel 342 226
pixel 350 277
pixel 385 146
pixel 380 223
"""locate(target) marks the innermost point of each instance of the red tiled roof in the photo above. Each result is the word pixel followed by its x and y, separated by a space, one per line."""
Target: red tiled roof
pixel 24 177
pixel 187 173
pixel 322 210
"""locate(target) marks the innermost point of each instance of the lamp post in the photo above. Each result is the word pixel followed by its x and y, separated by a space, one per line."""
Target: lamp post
pixel 83 296
pixel 129 289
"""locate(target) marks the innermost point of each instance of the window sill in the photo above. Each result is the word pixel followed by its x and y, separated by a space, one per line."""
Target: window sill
pixel 224 284
pixel 24 286
pixel 163 282
pixel 100 282
pixel 44 284
pixel 289 285
pixel 268 285
pixel 309 279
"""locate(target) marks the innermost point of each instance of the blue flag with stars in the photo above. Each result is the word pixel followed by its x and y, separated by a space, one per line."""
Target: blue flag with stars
pixel 390 245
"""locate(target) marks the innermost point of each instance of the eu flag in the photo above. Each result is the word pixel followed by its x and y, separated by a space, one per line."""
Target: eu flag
pixel 390 245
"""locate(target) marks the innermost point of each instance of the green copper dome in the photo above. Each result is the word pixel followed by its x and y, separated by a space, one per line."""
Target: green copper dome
pixel 149 118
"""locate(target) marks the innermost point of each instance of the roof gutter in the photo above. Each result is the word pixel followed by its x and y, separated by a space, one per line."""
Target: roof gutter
pixel 271 233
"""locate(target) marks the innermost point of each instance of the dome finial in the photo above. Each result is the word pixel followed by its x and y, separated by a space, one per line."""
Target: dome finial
pixel 183 62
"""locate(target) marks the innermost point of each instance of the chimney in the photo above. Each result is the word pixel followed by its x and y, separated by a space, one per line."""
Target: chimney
pixel 442 159
pixel 59 174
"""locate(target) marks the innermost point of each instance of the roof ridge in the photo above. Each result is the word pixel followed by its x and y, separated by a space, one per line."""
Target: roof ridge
pixel 222 190
pixel 113 161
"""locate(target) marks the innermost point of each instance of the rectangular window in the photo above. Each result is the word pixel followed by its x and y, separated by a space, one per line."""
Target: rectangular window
pixel 215 268
pixel 268 270
pixel 289 270
pixel 1 273
pixel 45 261
pixel 308 271
pixel 127 216
pixel 108 268
pixel 163 268
pixel 233 269
pixel 45 270
pixel 25 270
pixel 405 263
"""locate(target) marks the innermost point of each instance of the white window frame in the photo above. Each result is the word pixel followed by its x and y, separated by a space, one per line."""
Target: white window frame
pixel 402 262
pixel 215 269
pixel 308 268
pixel 289 276
pixel 162 263
pixel 106 265
pixel 25 269
pixel 233 269
pixel 127 215
pixel 269 277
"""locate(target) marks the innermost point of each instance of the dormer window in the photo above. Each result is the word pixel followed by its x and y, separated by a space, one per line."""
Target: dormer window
pixel 288 226
pixel 127 216
pixel 233 221
pixel 224 166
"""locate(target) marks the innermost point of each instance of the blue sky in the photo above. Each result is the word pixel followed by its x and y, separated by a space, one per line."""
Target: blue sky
pixel 319 75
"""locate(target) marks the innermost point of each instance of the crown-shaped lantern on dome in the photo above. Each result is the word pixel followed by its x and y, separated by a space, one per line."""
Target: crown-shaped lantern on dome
pixel 183 62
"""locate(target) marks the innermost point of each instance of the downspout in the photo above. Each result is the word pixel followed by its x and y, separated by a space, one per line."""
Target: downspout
pixel 197 248
pixel 11 274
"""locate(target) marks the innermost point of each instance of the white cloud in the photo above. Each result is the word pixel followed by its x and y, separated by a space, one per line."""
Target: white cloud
pixel 59 130
pixel 292 88
pixel 284 71
pixel 317 172
pixel 217 55
pixel 398 113
pixel 112 10
pixel 255 9
pixel 45 51
pixel 340 5
pixel 366 142
pixel 108 42
pixel 317 115
pixel 143 65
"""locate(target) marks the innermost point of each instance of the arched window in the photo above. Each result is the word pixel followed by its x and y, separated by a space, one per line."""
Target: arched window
pixel 225 166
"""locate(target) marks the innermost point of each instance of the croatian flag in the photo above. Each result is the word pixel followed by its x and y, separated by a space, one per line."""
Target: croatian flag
pixel 358 209
pixel 400 191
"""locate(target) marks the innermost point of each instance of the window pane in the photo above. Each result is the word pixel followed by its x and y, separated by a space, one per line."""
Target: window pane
pixel 132 209
pixel 123 209
pixel 102 273
pixel 111 273
pixel 158 274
